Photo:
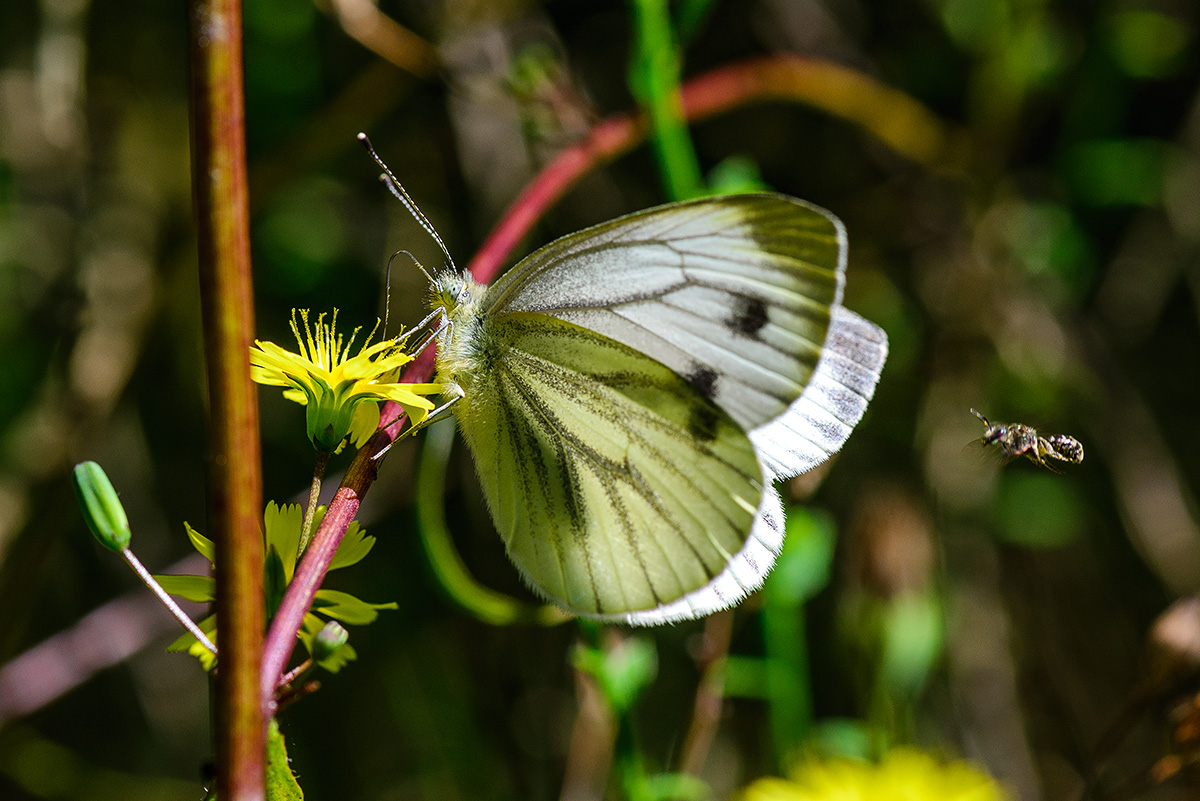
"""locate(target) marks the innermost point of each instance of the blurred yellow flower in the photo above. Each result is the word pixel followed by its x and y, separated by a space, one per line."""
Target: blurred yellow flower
pixel 904 774
pixel 340 392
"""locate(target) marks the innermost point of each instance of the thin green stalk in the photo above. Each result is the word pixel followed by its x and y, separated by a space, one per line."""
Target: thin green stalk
pixel 168 601
pixel 484 603
pixel 235 478
pixel 314 495
pixel 789 687
pixel 654 79
pixel 631 766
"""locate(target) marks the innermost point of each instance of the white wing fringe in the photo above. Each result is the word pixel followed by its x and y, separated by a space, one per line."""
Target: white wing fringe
pixel 811 430
pixel 819 422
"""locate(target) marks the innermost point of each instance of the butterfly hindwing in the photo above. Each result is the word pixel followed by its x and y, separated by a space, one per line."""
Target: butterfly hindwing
pixel 617 486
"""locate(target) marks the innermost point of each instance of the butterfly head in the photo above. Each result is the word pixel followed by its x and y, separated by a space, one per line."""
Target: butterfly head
pixel 459 340
pixel 452 291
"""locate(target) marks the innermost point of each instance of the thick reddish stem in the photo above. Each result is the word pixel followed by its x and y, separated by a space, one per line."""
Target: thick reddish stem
pixel 235 479
pixel 890 115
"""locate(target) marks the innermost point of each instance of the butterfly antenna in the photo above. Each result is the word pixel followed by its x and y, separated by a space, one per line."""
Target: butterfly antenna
pixel 413 259
pixel 387 294
pixel 397 189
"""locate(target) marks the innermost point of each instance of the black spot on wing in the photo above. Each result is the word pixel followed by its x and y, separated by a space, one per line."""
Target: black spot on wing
pixel 704 379
pixel 703 422
pixel 749 316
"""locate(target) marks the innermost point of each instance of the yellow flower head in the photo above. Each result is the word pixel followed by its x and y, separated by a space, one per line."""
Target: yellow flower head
pixel 904 774
pixel 332 385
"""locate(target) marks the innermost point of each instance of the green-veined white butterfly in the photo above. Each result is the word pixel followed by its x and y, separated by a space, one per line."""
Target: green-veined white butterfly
pixel 630 392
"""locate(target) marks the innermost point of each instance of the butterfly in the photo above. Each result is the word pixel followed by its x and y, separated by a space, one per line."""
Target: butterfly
pixel 631 392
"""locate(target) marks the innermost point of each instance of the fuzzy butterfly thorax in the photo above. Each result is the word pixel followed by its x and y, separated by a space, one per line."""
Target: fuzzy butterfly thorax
pixel 462 346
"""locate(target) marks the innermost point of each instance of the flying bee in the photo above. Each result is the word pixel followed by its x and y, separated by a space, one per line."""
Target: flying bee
pixel 1016 440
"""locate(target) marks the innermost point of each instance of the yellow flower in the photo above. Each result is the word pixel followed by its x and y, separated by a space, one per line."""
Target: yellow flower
pixel 340 392
pixel 904 774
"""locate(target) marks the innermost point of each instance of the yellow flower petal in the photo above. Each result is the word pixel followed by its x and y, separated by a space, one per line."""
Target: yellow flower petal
pixel 333 384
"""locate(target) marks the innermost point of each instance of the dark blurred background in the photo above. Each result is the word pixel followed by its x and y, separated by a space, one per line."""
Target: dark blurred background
pixel 1042 270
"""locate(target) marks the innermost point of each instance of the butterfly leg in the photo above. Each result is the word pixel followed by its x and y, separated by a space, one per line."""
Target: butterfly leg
pixel 439 413
pixel 443 411
pixel 437 314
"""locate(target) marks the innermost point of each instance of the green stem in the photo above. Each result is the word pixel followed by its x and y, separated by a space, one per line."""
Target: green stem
pixel 314 495
pixel 788 682
pixel 631 767
pixel 654 79
pixel 484 603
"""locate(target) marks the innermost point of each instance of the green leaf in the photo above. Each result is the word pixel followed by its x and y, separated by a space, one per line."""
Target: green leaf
pixel 189 643
pixel 308 631
pixel 736 175
pixel 201 543
pixel 356 544
pixel 281 527
pixel 913 638
pixel 1148 43
pixel 345 607
pixel 843 737
pixel 676 787
pixel 622 671
pixel 1117 172
pixel 281 782
pixel 804 565
pixel 339 658
pixel 201 589
pixel 275 580
pixel 746 677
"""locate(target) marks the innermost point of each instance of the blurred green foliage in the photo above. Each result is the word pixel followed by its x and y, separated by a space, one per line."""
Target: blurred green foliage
pixel 1045 272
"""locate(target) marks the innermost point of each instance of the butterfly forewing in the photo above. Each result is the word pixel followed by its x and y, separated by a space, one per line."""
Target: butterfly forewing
pixel 616 485
pixel 733 294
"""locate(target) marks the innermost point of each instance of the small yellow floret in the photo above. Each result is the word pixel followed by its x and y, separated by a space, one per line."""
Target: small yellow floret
pixel 332 384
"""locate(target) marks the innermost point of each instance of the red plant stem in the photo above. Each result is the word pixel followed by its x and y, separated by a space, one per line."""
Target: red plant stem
pixel 310 572
pixel 235 478
pixel 892 116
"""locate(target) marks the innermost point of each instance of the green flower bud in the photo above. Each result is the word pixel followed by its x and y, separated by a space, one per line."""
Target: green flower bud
pixel 328 640
pixel 101 507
